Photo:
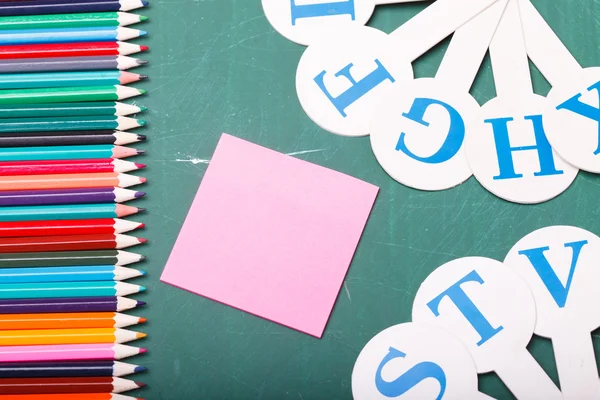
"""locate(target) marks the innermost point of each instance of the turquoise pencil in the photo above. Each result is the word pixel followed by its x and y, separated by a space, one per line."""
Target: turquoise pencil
pixel 44 153
pixel 68 79
pixel 20 125
pixel 66 212
pixel 67 289
pixel 68 274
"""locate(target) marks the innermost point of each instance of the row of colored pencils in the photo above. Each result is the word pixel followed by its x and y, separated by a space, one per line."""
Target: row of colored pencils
pixel 64 182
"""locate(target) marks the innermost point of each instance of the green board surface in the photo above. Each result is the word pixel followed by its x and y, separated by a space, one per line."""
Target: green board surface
pixel 218 66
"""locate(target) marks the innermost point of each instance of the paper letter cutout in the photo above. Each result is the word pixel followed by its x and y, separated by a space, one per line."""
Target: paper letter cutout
pixel 585 110
pixel 464 304
pixel 322 10
pixel 358 89
pixel 544 270
pixel 454 139
pixel 410 378
pixel 504 150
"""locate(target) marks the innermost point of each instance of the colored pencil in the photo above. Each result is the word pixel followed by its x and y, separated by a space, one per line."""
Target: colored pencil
pixel 69 181
pixel 74 352
pixel 80 20
pixel 71 227
pixel 39 337
pixel 72 396
pixel 68 321
pixel 67 289
pixel 68 94
pixel 86 109
pixel 66 385
pixel 67 258
pixel 74 139
pixel 68 166
pixel 67 274
pixel 106 123
pixel 68 305
pixel 69 64
pixel 65 212
pixel 66 79
pixel 36 7
pixel 47 153
pixel 68 368
pixel 67 243
pixel 87 49
pixel 68 35
pixel 66 196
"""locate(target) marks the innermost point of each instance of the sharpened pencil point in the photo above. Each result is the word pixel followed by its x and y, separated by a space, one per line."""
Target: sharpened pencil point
pixel 143 350
pixel 140 303
pixel 141 138
pixel 144 48
pixel 137 195
pixel 140 335
pixel 142 77
pixel 140 384
pixel 143 33
pixel 142 225
pixel 143 240
pixel 143 273
pixel 143 18
pixel 145 3
pixel 143 180
pixel 142 91
pixel 140 166
pixel 141 209
pixel 142 258
pixel 139 151
pixel 142 288
pixel 142 108
pixel 141 62
pixel 139 368
pixel 141 122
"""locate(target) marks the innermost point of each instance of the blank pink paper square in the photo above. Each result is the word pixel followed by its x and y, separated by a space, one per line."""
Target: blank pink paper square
pixel 271 235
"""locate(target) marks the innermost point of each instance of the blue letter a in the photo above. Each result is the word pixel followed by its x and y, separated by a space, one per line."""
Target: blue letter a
pixel 410 378
pixel 544 270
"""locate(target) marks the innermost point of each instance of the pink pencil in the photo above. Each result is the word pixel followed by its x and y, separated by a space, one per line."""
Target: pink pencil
pixel 107 351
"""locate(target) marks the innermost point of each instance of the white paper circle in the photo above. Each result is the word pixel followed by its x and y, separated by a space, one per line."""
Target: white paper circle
pixel 427 157
pixel 503 299
pixel 370 57
pixel 574 136
pixel 579 310
pixel 311 20
pixel 420 343
pixel 483 158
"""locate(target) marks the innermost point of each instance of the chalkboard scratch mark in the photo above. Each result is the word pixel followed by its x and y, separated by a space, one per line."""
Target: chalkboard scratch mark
pixel 347 291
pixel 431 252
pixel 300 395
pixel 296 153
pixel 194 161
pixel 245 40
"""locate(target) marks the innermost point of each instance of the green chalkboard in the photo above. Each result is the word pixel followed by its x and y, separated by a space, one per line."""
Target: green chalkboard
pixel 218 66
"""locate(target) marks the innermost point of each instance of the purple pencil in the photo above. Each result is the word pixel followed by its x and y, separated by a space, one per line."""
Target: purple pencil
pixel 65 305
pixel 67 196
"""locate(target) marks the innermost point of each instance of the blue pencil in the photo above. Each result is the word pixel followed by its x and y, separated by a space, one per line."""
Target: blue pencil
pixel 68 274
pixel 36 7
pixel 68 35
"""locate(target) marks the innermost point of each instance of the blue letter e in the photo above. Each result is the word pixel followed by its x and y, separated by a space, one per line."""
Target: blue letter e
pixel 322 9
pixel 410 378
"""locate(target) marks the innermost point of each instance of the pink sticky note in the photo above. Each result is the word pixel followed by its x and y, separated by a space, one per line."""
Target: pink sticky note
pixel 271 235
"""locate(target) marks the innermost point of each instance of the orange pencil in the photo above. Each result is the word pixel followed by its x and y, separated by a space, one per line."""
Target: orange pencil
pixel 67 336
pixel 68 181
pixel 68 396
pixel 10 322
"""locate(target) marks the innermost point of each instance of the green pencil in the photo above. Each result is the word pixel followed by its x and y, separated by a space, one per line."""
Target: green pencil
pixel 85 109
pixel 66 212
pixel 67 289
pixel 68 79
pixel 68 258
pixel 81 20
pixel 18 125
pixel 68 94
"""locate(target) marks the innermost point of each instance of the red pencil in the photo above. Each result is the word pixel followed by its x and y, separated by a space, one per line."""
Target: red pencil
pixel 68 243
pixel 67 166
pixel 67 227
pixel 70 50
